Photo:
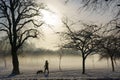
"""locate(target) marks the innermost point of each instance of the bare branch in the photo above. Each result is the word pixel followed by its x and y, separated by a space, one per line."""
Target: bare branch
pixel 2 16
pixel 4 30
pixel 4 25
pixel 30 33
pixel 26 22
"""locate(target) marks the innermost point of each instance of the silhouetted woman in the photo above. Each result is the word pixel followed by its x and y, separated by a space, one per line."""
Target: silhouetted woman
pixel 46 67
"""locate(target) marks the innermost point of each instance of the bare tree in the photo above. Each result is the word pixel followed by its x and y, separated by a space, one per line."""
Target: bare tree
pixel 102 6
pixel 84 40
pixel 60 46
pixel 4 49
pixel 105 5
pixel 60 58
pixel 17 20
pixel 110 48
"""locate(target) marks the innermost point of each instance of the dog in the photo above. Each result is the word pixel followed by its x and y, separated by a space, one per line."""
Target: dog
pixel 39 72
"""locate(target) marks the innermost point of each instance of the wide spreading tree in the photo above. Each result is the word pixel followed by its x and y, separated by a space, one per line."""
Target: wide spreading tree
pixel 18 22
pixel 84 40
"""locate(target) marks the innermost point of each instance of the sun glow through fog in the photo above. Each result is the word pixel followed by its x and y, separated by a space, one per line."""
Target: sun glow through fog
pixel 50 18
pixel 54 23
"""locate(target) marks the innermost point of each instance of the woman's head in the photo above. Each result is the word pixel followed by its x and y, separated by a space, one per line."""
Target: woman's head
pixel 46 61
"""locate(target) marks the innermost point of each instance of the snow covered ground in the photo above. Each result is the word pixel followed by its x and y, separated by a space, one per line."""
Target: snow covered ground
pixel 66 74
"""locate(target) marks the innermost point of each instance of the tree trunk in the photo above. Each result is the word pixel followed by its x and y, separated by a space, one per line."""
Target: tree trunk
pixel 112 63
pixel 83 67
pixel 108 63
pixel 60 64
pixel 15 62
pixel 93 62
pixel 5 63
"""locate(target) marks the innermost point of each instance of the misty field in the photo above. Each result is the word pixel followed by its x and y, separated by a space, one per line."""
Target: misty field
pixel 71 67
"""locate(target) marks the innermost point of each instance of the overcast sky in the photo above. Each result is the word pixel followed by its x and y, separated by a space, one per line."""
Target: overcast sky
pixel 72 11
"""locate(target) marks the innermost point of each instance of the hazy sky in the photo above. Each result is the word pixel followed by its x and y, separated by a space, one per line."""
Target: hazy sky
pixel 60 10
pixel 72 11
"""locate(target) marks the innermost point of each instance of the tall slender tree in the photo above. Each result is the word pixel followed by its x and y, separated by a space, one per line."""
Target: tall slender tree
pixel 18 21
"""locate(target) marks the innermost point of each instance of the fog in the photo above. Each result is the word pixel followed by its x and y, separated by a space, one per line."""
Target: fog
pixel 34 63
